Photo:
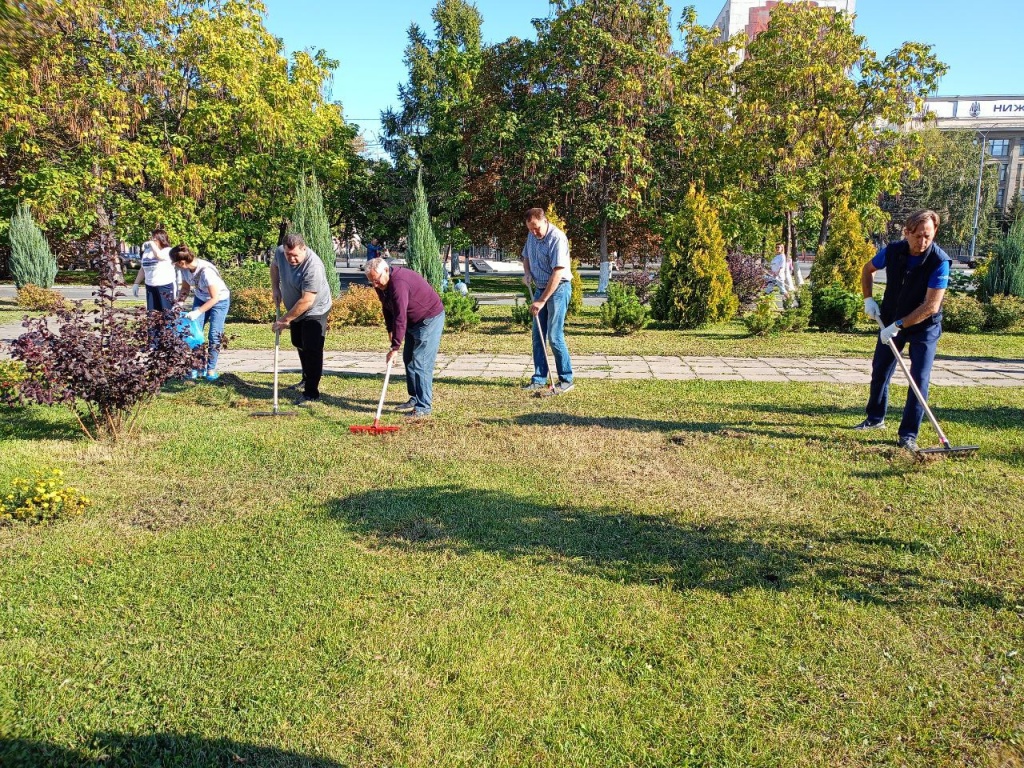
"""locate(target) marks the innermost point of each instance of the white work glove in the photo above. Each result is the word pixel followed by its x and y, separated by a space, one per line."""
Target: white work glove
pixel 195 314
pixel 888 333
pixel 135 290
pixel 872 310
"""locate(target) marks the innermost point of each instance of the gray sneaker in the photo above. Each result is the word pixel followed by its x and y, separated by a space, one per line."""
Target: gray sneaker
pixel 562 387
pixel 406 407
pixel 909 442
pixel 871 424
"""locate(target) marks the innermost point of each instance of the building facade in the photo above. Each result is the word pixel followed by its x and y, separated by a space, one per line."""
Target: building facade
pixel 751 16
pixel 999 122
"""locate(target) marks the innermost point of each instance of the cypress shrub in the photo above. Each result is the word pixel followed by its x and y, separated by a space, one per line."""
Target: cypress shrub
pixel 844 253
pixel 1004 273
pixel 833 308
pixel 31 262
pixel 310 220
pixel 695 286
pixel 424 254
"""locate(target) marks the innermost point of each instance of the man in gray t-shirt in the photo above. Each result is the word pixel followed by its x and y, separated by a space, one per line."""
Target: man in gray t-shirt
pixel 546 265
pixel 298 277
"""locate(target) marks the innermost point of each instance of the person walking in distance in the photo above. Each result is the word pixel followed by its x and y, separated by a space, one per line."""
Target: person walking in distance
pixel 299 280
pixel 414 316
pixel 546 265
pixel 779 272
pixel 917 274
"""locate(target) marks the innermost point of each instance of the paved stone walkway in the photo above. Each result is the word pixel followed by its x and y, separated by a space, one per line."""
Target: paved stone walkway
pixel 835 370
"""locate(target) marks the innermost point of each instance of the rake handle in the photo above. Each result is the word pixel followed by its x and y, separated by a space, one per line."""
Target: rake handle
pixel 915 389
pixel 383 392
pixel 544 347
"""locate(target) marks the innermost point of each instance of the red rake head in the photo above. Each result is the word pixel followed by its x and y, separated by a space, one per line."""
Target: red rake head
pixel 373 429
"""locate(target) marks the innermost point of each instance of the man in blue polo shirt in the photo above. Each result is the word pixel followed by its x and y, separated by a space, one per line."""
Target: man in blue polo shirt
pixel 917 274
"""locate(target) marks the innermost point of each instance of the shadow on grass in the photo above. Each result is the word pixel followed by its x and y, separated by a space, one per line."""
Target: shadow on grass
pixel 159 749
pixel 726 429
pixel 33 423
pixel 725 557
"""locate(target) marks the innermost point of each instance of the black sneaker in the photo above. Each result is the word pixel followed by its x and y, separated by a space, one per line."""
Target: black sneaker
pixel 305 402
pixel 909 442
pixel 297 386
pixel 533 386
pixel 871 424
pixel 407 406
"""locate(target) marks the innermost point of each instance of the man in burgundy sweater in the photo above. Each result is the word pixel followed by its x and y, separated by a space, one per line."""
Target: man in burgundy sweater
pixel 413 313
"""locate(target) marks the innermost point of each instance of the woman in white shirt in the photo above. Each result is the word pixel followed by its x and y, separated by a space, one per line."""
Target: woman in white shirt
pixel 211 301
pixel 158 273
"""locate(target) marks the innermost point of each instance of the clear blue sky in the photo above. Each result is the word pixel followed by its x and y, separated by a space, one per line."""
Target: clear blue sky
pixel 980 40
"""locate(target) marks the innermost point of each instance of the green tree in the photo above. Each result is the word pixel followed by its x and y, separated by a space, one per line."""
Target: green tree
pixel 424 254
pixel 31 260
pixel 181 112
pixel 436 103
pixel 945 180
pixel 820 114
pixel 604 75
pixel 844 254
pixel 695 288
pixel 310 220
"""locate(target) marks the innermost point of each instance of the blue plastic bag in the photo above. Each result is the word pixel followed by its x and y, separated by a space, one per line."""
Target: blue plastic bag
pixel 191 331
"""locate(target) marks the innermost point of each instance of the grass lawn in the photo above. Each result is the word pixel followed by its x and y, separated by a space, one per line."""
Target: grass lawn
pixel 635 574
pixel 496 334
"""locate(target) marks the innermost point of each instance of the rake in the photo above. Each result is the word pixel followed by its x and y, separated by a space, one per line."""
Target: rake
pixel 277 354
pixel 376 428
pixel 946 447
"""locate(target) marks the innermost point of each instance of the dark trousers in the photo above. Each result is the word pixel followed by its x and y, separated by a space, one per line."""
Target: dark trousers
pixel 308 334
pixel 922 355
pixel 160 298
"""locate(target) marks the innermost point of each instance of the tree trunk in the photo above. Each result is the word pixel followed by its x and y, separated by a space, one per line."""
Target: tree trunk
pixel 826 220
pixel 604 238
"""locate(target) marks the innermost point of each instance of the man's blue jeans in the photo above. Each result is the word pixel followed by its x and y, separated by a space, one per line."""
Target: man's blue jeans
pixel 922 355
pixel 419 354
pixel 216 317
pixel 551 320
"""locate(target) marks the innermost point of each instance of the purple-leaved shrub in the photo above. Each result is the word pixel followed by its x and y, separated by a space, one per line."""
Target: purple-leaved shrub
pixel 104 364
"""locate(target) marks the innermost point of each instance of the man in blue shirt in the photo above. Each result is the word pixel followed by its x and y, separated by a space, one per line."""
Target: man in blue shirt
pixel 917 274
pixel 546 265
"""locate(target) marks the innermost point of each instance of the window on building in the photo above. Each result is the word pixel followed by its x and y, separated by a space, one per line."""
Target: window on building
pixel 1000 198
pixel 999 147
pixel 1020 175
pixel 1004 171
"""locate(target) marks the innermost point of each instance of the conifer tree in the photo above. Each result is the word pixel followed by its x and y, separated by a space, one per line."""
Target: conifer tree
pixel 1005 272
pixel 845 251
pixel 31 260
pixel 696 287
pixel 310 220
pixel 424 251
pixel 576 300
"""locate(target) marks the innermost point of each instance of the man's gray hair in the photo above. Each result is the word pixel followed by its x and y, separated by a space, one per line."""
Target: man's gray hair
pixel 293 240
pixel 377 266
